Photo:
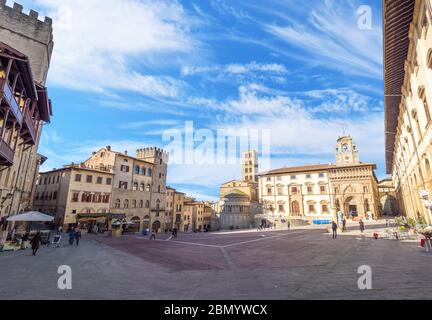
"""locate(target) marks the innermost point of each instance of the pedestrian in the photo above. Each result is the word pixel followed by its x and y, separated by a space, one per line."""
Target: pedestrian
pixel 77 236
pixel 71 237
pixel 334 229
pixel 289 225
pixel 174 233
pixel 60 229
pixel 152 235
pixel 361 225
pixel 35 242
pixel 344 228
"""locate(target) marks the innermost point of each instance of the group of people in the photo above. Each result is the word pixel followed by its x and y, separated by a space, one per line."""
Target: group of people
pixel 74 236
pixel 335 227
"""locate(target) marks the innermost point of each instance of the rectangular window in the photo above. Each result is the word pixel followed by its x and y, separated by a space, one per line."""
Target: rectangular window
pixel 89 179
pixel 281 208
pixel 280 191
pixel 99 180
pixel 309 190
pixel 75 197
pixel 311 208
pixel 308 176
pixel 322 189
pixel 108 181
pixel 293 177
pixel 269 191
pixel 324 208
pixel 123 185
pixel 78 177
pixel 321 175
pixel 294 190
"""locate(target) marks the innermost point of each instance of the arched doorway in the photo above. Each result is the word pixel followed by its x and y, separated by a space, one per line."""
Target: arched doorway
pixel 295 208
pixel 350 207
pixel 146 222
pixel 156 226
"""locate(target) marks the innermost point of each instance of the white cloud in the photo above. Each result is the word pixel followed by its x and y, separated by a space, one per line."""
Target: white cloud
pixel 332 39
pixel 95 43
pixel 236 69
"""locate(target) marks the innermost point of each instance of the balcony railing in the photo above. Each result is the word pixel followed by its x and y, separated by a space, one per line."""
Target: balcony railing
pixel 6 154
pixel 9 97
pixel 29 135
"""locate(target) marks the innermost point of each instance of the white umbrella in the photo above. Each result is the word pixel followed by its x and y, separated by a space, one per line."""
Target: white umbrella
pixel 31 216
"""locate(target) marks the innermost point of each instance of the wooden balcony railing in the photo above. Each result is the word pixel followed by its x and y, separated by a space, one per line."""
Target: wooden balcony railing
pixel 6 154
pixel 29 133
pixel 9 97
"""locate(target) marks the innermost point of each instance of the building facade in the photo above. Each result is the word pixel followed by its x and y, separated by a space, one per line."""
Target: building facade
pixel 137 188
pixel 73 190
pixel 25 53
pixel 319 191
pixel 407 102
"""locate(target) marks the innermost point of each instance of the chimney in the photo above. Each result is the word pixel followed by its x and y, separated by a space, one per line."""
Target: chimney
pixel 94 152
pixel 125 153
pixel 108 148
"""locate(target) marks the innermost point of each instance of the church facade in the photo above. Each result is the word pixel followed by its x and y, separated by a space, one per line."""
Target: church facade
pixel 320 191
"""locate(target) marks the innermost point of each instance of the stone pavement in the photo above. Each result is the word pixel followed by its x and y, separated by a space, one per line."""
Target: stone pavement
pixel 296 264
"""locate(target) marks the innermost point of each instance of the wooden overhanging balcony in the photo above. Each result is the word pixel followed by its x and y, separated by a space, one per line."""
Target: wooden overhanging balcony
pixel 24 104
pixel 6 154
pixel 8 100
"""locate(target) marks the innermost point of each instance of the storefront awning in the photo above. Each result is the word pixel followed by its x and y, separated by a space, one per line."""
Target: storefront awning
pixel 102 215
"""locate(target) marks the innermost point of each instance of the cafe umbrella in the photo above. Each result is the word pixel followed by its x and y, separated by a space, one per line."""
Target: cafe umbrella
pixel 32 216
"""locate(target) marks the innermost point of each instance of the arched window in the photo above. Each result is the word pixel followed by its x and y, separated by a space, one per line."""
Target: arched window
pixel 141 203
pixel 366 205
pixel 143 171
pixel 157 204
pixel 117 204
pixel 126 204
pixel 147 204
pixel 148 188
pixel 135 186
pixel 149 172
pixel 134 203
pixel 142 187
pixel 137 169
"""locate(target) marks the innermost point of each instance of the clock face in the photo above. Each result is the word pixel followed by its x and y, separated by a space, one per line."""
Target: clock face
pixel 345 148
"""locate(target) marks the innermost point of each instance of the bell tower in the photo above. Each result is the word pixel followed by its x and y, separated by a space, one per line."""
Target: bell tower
pixel 346 151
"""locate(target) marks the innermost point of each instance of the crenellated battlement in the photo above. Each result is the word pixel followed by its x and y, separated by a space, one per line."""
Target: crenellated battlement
pixel 16 12
pixel 152 154
pixel 29 35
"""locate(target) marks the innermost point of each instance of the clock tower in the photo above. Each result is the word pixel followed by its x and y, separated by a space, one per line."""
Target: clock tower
pixel 346 151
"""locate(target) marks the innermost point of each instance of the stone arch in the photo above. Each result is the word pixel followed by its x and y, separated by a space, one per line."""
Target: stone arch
pixel 156 226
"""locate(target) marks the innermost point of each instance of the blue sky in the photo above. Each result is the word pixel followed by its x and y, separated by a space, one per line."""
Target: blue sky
pixel 123 71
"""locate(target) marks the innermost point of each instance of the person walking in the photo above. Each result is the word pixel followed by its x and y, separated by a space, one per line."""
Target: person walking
pixel 334 229
pixel 60 229
pixel 77 236
pixel 344 222
pixel 174 233
pixel 289 225
pixel 152 235
pixel 71 237
pixel 361 225
pixel 35 242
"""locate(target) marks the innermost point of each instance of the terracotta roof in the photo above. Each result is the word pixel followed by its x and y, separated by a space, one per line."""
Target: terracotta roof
pixel 397 17
pixel 315 167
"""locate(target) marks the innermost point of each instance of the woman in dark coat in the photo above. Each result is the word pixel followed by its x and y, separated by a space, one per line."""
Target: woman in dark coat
pixel 35 242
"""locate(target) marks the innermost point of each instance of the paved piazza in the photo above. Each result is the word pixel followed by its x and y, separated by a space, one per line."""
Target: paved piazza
pixel 295 264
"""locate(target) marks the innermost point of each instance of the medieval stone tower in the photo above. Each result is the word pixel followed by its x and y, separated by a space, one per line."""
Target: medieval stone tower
pixel 346 151
pixel 250 166
pixel 34 38
pixel 160 160
pixel 29 35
